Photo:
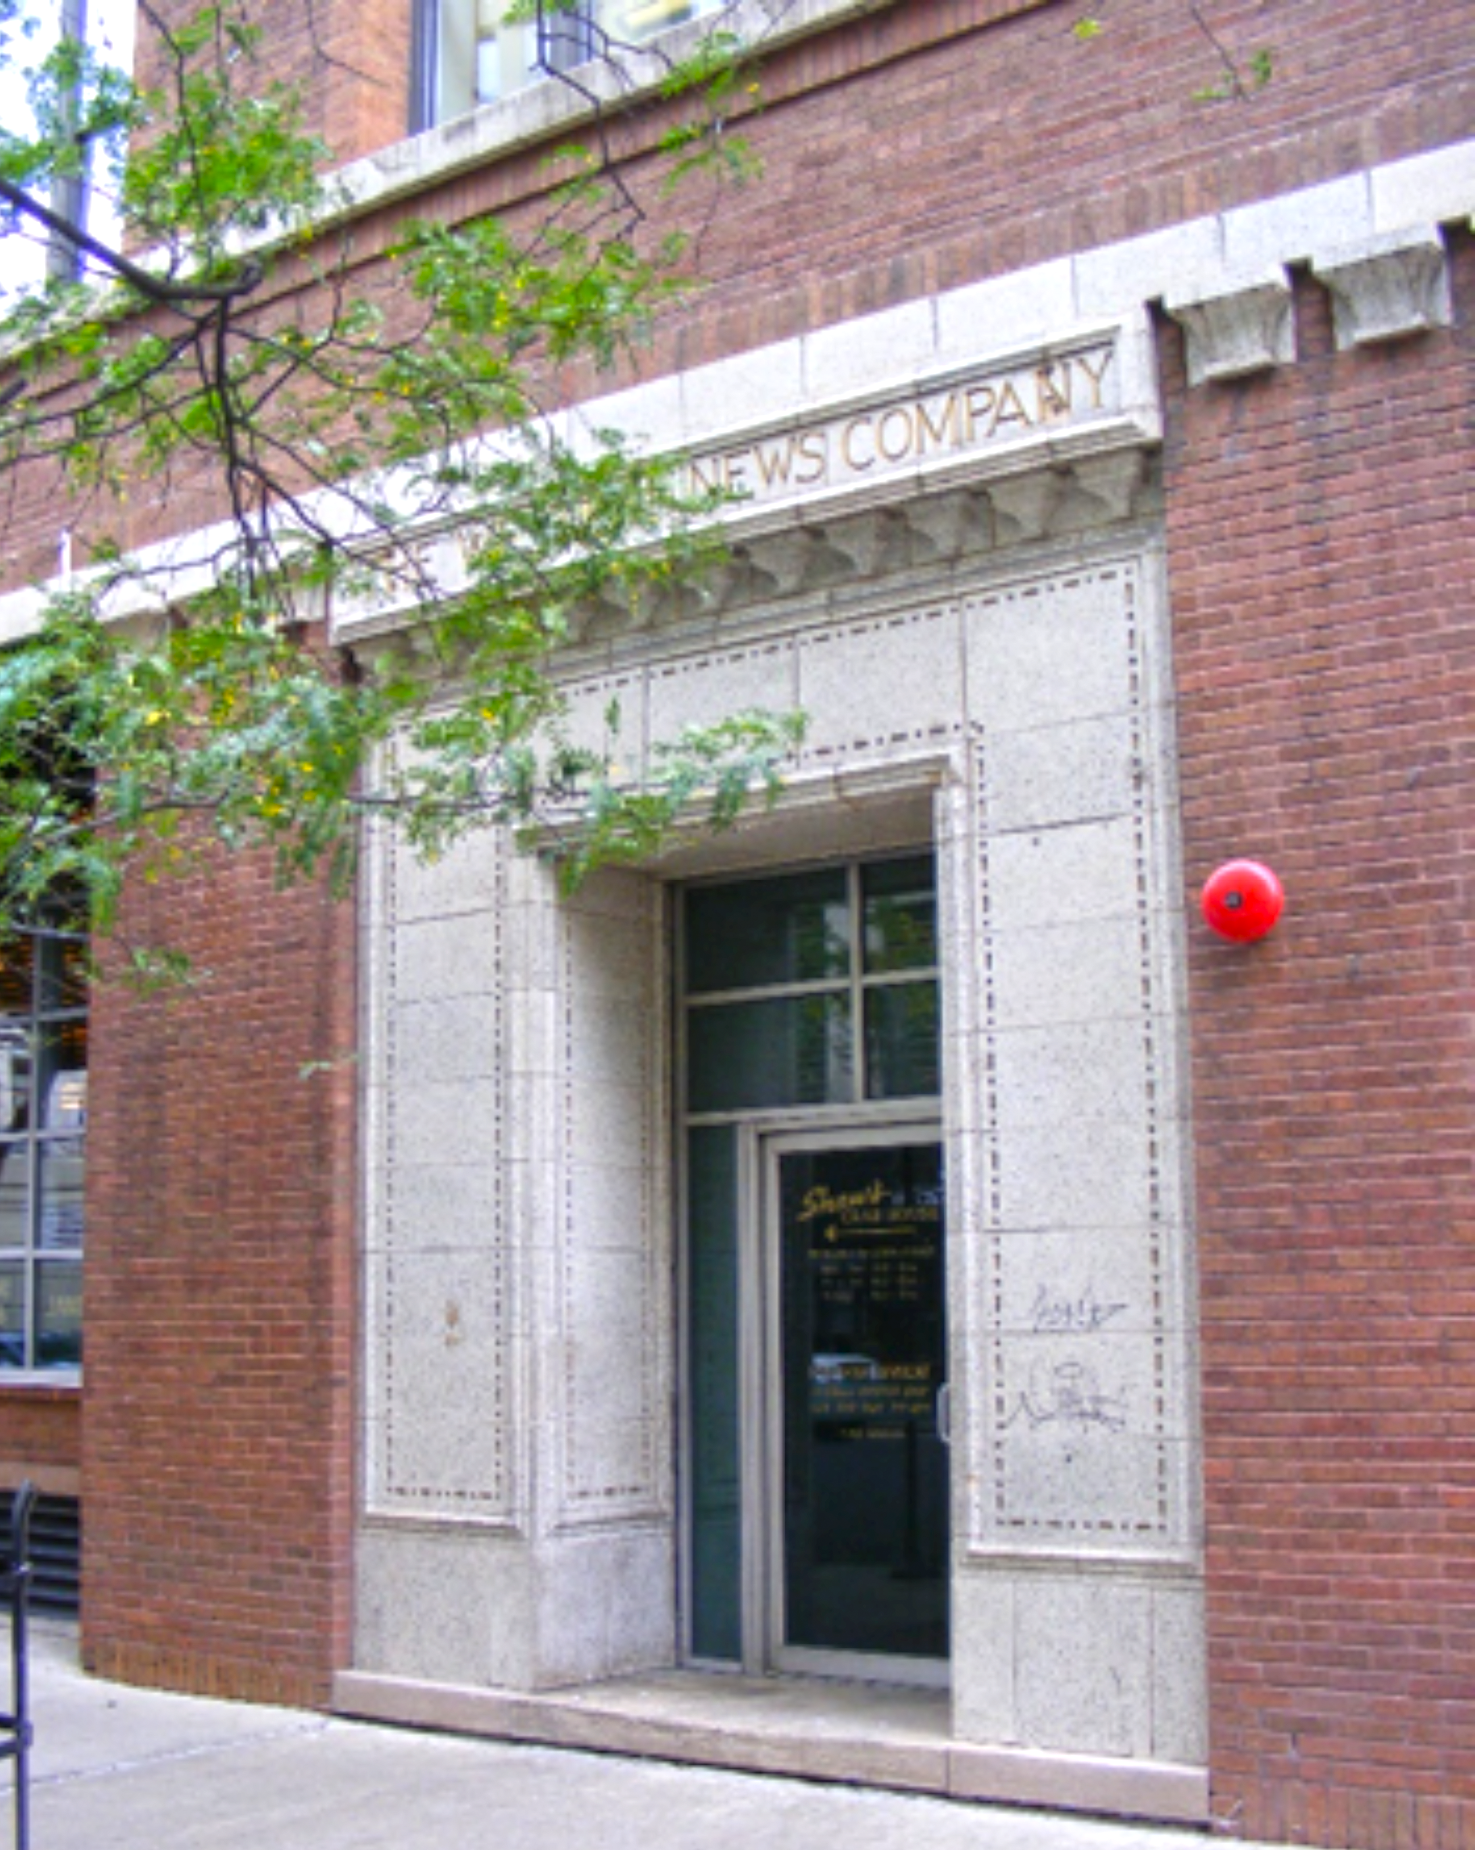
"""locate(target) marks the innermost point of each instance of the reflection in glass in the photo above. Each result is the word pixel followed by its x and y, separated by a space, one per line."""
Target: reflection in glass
pixel 900 915
pixel 59 1314
pixel 15 977
pixel 795 1051
pixel 864 1355
pixel 15 1077
pixel 12 1314
pixel 14 1193
pixel 43 1121
pixel 60 1179
pixel 755 933
pixel 901 1041
pixel 63 973
pixel 484 50
pixel 61 1076
pixel 639 19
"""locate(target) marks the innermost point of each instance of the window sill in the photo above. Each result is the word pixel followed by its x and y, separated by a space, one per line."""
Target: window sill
pixel 41 1383
pixel 531 115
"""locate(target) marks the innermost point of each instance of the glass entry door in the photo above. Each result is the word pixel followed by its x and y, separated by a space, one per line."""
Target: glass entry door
pixel 857 1376
pixel 814 1479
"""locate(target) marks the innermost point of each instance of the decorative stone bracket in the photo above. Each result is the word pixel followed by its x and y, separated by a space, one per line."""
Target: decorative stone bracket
pixel 1388 289
pixel 1234 330
pixel 1382 288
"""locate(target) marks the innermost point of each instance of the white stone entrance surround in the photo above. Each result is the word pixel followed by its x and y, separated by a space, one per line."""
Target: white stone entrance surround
pixel 981 637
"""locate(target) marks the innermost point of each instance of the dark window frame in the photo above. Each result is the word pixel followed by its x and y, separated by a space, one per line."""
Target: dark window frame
pixel 44 1126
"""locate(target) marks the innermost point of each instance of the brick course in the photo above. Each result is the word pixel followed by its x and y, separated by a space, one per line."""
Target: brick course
pixel 41 1438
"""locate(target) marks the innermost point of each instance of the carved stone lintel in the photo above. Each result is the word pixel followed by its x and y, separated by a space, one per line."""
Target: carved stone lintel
pixel 1234 332
pixel 1387 289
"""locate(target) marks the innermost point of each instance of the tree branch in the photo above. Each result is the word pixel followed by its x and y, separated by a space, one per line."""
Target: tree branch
pixel 153 287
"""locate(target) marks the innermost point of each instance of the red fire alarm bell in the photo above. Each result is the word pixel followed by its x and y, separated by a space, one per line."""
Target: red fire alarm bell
pixel 1242 900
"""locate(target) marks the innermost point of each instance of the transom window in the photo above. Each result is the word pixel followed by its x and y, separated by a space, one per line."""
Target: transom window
pixel 43 1122
pixel 470 52
pixel 814 988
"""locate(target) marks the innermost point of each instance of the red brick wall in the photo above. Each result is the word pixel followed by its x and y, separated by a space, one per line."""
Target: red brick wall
pixel 932 145
pixel 41 1438
pixel 1321 529
pixel 975 118
pixel 217 1428
pixel 349 59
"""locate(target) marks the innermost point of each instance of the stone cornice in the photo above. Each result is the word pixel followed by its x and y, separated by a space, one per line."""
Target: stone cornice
pixel 1369 236
pixel 839 554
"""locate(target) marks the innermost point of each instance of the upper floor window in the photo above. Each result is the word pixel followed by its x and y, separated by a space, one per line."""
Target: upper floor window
pixel 43 1123
pixel 82 197
pixel 468 52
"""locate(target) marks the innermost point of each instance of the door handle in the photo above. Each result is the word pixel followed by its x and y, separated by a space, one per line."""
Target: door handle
pixel 944 1413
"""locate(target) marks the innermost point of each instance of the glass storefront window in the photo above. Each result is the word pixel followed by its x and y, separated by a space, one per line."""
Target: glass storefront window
pixel 43 1123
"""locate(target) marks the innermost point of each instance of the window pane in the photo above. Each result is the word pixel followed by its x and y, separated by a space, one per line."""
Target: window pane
pixel 638 19
pixel 15 979
pixel 64 1057
pixel 63 973
pixel 60 1172
pixel 15 1077
pixel 790 1052
pixel 565 41
pixel 791 930
pixel 43 1123
pixel 12 1316
pixel 900 909
pixel 14 1199
pixel 59 1314
pixel 901 1041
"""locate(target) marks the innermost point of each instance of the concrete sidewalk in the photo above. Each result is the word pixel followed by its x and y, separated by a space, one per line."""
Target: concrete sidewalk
pixel 117 1768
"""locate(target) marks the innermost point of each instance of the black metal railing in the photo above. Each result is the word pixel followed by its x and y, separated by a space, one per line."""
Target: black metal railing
pixel 15 1592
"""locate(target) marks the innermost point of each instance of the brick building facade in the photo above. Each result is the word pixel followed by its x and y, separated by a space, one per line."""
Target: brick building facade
pixel 1123 527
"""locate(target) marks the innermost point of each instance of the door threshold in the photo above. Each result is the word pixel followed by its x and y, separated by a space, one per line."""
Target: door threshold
pixel 860 1734
pixel 867 1734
